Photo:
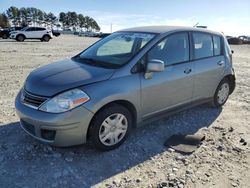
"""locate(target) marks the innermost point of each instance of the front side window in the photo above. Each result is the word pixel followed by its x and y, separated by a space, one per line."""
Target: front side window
pixel 173 49
pixel 203 45
pixel 115 50
pixel 217 45
pixel 31 29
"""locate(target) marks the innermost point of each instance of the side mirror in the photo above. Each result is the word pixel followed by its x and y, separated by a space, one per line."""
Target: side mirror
pixel 155 65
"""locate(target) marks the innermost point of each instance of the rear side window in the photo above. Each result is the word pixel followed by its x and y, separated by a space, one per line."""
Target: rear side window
pixel 203 45
pixel 40 29
pixel 173 49
pixel 31 29
pixel 217 45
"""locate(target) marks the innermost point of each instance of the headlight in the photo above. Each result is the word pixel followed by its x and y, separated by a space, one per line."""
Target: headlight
pixel 65 101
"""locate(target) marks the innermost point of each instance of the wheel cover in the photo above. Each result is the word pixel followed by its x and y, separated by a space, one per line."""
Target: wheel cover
pixel 20 38
pixel 223 93
pixel 113 129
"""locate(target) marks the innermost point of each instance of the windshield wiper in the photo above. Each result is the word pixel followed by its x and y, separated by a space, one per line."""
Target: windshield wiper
pixel 95 62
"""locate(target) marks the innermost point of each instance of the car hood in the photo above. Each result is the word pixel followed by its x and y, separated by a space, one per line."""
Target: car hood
pixel 57 77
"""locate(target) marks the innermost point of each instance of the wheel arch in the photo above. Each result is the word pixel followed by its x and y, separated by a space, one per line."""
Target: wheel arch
pixel 128 105
pixel 231 79
pixel 20 34
pixel 46 35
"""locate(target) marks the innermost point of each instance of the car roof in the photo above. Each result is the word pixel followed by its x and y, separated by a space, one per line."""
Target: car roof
pixel 165 29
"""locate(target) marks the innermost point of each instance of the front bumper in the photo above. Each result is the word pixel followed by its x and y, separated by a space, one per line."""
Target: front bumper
pixel 12 36
pixel 62 129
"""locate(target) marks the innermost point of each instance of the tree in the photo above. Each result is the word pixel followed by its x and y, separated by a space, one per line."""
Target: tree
pixel 40 17
pixel 72 18
pixel 88 22
pixel 32 16
pixel 62 18
pixel 4 21
pixel 52 19
pixel 13 14
pixel 81 21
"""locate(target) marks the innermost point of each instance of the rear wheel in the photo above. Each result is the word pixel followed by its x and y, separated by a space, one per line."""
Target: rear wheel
pixel 110 127
pixel 46 38
pixel 20 38
pixel 221 94
pixel 5 36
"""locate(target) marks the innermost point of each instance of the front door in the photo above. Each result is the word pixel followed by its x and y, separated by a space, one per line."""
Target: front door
pixel 173 86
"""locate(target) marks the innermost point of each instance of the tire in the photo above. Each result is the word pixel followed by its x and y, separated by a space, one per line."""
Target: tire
pixel 46 38
pixel 105 133
pixel 20 38
pixel 5 36
pixel 221 94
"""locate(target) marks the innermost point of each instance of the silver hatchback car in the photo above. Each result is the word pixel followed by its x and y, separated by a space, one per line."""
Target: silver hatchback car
pixel 123 80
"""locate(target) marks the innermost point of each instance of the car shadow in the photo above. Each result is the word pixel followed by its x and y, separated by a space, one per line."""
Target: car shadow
pixel 83 166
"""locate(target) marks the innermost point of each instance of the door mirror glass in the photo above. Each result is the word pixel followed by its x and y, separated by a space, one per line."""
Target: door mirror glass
pixel 155 65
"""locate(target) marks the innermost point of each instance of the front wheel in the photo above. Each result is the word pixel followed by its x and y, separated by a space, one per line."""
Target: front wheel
pixel 20 38
pixel 110 127
pixel 221 94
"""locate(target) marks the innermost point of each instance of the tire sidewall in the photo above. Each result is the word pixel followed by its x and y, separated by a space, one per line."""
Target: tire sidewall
pixel 22 38
pixel 98 120
pixel 45 38
pixel 5 36
pixel 216 103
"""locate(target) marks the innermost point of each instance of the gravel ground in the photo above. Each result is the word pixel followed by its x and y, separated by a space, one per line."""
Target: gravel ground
pixel 142 161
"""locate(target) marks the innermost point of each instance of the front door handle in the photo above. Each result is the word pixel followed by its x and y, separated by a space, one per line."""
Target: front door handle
pixel 187 71
pixel 220 63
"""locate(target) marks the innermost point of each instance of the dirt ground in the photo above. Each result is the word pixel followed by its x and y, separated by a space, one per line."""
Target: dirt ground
pixel 143 160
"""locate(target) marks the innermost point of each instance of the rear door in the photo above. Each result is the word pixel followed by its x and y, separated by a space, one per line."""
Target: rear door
pixel 30 32
pixel 209 63
pixel 40 31
pixel 173 86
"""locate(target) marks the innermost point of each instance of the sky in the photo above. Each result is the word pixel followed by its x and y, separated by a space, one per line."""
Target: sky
pixel 231 17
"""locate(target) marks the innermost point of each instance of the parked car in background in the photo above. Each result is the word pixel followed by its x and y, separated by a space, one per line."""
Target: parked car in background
pixel 235 40
pixel 56 33
pixel 5 33
pixel 245 39
pixel 40 33
pixel 122 81
pixel 103 35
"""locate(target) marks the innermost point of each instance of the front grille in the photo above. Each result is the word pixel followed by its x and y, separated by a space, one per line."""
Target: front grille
pixel 32 100
pixel 28 127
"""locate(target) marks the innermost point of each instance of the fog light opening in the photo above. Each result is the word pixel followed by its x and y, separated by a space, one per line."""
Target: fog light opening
pixel 48 134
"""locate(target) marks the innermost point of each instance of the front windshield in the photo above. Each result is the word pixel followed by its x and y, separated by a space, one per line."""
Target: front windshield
pixel 115 50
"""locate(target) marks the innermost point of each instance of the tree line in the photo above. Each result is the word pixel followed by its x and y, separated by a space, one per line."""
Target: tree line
pixel 33 16
pixel 4 21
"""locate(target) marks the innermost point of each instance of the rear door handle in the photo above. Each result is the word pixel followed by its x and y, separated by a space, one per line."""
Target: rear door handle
pixel 187 71
pixel 220 63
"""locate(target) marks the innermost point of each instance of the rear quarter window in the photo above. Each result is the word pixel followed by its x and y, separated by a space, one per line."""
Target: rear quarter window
pixel 217 45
